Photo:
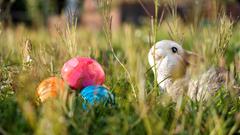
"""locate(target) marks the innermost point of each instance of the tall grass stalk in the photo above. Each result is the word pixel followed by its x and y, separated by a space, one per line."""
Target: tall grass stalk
pixel 148 114
pixel 154 25
pixel 69 35
pixel 1 27
pixel 173 23
pixel 105 8
pixel 225 31
pixel 217 41
pixel 153 36
pixel 35 15
pixel 142 98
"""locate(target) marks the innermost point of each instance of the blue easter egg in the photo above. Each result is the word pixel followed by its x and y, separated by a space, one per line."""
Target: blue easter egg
pixel 95 95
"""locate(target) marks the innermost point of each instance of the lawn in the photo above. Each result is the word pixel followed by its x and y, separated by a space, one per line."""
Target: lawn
pixel 140 108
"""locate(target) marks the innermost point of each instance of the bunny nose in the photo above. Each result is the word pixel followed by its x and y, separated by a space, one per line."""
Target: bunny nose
pixel 157 56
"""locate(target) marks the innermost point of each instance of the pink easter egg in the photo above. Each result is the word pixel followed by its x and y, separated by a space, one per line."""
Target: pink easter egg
pixel 80 72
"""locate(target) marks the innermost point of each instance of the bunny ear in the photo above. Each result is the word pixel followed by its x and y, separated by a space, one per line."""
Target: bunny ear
pixel 190 56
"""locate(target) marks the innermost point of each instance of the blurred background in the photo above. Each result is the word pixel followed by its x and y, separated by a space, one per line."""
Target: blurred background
pixel 38 36
pixel 35 13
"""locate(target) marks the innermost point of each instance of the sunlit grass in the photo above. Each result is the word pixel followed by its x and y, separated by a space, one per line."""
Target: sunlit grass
pixel 140 108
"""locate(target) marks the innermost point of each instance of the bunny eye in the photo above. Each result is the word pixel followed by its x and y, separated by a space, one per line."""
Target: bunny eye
pixel 174 50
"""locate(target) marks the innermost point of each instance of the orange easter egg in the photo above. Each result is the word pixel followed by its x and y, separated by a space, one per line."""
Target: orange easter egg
pixel 50 88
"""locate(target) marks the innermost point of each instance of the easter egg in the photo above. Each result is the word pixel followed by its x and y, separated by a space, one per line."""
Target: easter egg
pixel 50 88
pixel 96 94
pixel 81 72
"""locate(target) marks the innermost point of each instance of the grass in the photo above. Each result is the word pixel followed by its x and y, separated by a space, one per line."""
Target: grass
pixel 140 108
